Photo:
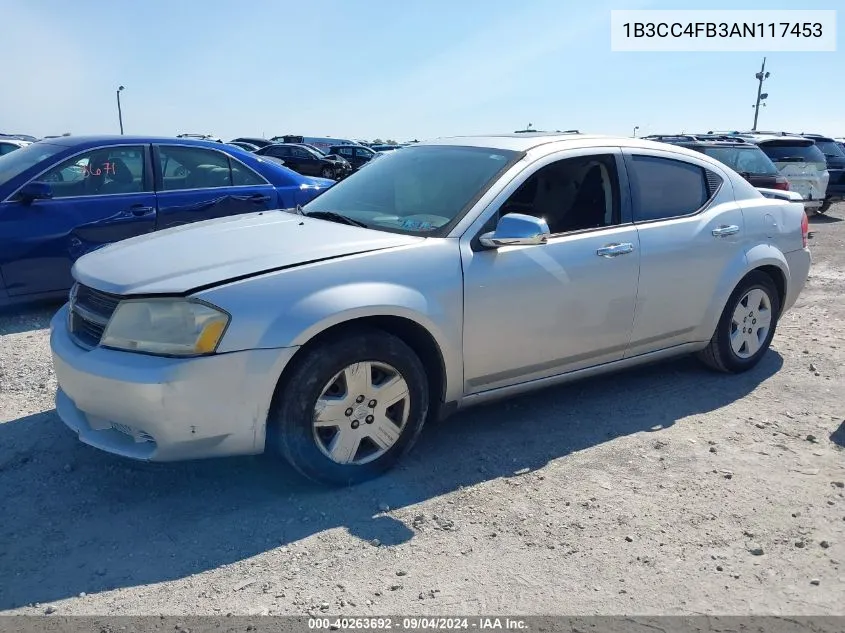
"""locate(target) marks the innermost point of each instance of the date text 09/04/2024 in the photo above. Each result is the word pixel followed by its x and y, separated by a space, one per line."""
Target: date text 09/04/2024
pixel 418 624
pixel 724 29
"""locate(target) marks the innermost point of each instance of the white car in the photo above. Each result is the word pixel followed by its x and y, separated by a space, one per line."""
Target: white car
pixel 8 145
pixel 800 161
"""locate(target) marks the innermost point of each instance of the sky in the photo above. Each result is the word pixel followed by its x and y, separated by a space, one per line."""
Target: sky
pixel 398 69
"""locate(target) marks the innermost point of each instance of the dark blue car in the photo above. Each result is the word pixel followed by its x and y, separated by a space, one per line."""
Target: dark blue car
pixel 64 197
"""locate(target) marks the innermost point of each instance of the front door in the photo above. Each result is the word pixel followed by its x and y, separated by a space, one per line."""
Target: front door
pixel 196 183
pixel 102 196
pixel 536 311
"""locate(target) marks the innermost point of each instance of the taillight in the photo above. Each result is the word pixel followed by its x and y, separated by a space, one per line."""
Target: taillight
pixel 805 229
pixel 781 183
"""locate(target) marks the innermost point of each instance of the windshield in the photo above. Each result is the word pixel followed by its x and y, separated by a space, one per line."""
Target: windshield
pixel 15 163
pixel 748 160
pixel 831 147
pixel 794 152
pixel 418 191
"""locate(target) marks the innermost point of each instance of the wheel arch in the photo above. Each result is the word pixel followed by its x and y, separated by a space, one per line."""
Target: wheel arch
pixel 412 328
pixel 764 258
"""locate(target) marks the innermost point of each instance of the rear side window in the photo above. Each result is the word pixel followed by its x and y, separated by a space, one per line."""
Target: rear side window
pixel 794 152
pixel 666 188
pixel 831 147
pixel 744 160
pixel 193 168
pixel 243 176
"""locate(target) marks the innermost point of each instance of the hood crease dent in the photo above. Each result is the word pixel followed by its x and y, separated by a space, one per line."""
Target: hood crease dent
pixel 200 255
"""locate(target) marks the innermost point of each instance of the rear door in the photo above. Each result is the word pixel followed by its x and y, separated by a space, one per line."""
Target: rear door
pixel 198 183
pixel 100 196
pixel 691 232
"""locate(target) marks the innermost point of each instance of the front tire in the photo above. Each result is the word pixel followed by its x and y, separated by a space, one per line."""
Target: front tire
pixel 350 409
pixel 823 209
pixel 328 172
pixel 746 327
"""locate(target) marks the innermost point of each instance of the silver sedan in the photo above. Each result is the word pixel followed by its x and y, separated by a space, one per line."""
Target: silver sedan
pixel 447 274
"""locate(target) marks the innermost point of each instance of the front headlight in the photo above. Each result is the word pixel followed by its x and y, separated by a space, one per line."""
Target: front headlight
pixel 170 327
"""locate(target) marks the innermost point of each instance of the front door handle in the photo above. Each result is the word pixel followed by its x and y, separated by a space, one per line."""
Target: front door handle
pixel 259 198
pixel 139 210
pixel 614 250
pixel 725 230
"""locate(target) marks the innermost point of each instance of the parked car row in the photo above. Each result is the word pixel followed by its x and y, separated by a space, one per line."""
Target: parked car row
pixel 64 197
pixel 812 165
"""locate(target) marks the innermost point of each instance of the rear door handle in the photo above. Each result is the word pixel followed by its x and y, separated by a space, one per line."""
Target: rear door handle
pixel 724 230
pixel 259 198
pixel 139 210
pixel 614 250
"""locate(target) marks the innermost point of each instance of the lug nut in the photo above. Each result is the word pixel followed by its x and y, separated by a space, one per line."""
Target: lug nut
pixel 349 412
pixel 359 399
pixel 372 403
pixel 354 424
pixel 369 419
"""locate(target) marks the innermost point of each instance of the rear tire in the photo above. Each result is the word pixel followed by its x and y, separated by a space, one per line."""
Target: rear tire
pixel 339 381
pixel 823 209
pixel 746 327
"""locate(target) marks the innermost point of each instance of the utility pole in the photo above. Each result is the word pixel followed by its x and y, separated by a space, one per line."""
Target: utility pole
pixel 761 76
pixel 119 111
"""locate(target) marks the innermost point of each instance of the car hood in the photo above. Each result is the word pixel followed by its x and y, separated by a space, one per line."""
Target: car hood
pixel 203 254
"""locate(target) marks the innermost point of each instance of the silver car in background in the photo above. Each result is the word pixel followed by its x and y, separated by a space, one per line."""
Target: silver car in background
pixel 446 274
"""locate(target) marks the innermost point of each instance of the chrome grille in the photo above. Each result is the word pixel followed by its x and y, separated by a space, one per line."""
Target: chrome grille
pixel 90 311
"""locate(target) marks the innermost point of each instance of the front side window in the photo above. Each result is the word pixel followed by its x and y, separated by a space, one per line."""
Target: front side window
pixel 346 152
pixel 665 188
pixel 364 153
pixel 572 194
pixel 193 168
pixel 99 172
pixel 15 163
pixel 301 152
pixel 420 190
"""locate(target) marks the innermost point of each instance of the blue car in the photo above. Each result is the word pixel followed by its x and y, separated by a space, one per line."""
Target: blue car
pixel 64 197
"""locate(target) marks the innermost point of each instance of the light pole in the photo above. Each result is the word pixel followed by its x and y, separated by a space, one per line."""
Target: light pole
pixel 761 96
pixel 636 127
pixel 119 113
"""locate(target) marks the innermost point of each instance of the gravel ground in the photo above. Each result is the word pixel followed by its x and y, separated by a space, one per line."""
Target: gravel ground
pixel 667 490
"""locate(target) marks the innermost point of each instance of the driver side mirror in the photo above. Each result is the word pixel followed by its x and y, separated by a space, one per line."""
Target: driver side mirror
pixel 35 191
pixel 517 229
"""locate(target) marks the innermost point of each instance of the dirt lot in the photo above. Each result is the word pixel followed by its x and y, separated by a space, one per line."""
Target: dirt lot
pixel 668 490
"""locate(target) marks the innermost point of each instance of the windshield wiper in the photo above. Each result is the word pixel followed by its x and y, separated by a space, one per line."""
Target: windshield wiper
pixel 334 217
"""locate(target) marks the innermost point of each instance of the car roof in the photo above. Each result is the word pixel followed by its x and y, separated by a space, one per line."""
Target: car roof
pixel 819 137
pixel 768 138
pixel 119 139
pixel 523 142
pixel 704 140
